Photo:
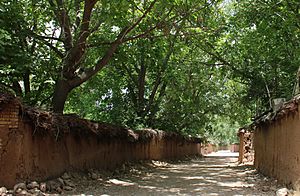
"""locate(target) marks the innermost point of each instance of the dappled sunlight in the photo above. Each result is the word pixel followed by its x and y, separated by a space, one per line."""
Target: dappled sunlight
pixel 120 182
pixel 209 176
pixel 148 187
pixel 164 177
pixel 211 181
pixel 233 184
pixel 206 176
pixel 246 172
pixel 193 178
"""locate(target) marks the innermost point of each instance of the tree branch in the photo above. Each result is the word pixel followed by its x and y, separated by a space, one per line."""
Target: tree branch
pixel 141 80
pixel 133 79
pixel 45 37
pixel 159 78
pixel 77 51
pixel 64 21
pixel 85 23
pixel 134 4
pixel 100 63
pixel 141 18
pixel 142 35
pixel 111 50
pixel 56 50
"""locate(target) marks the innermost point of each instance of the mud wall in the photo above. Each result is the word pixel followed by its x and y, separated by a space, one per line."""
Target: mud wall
pixel 277 152
pixel 246 149
pixel 28 154
pixel 9 115
pixel 208 148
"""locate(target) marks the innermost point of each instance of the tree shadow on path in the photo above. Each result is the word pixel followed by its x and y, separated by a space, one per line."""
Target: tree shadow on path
pixel 200 176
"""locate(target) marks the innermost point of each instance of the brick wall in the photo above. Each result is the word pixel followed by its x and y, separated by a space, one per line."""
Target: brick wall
pixel 9 115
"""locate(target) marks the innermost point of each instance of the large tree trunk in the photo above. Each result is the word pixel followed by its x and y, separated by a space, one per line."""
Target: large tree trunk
pixel 62 89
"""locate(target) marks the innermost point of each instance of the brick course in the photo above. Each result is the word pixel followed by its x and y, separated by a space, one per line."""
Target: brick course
pixel 9 115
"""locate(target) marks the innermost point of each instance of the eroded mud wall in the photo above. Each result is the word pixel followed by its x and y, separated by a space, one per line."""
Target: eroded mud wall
pixel 28 154
pixel 246 149
pixel 277 148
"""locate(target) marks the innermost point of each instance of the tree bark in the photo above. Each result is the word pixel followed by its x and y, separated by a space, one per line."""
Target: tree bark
pixel 62 89
pixel 26 80
pixel 17 88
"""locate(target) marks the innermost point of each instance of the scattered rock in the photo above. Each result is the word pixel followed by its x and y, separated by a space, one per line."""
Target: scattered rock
pixel 68 188
pixel 23 193
pixel 39 194
pixel 34 191
pixel 3 190
pixel 123 167
pixel 33 185
pixel 273 188
pixel 43 187
pixel 53 185
pixel 66 176
pixel 76 175
pixel 94 176
pixel 61 181
pixel 59 190
pixel 265 188
pixel 282 192
pixel 19 187
pixel 117 172
pixel 69 183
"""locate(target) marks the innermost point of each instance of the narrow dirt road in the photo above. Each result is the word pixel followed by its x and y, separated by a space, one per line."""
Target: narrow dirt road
pixel 200 176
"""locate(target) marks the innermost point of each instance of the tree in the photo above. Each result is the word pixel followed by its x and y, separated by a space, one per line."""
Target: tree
pixel 261 46
pixel 137 88
pixel 173 65
pixel 84 35
pixel 27 65
pixel 132 86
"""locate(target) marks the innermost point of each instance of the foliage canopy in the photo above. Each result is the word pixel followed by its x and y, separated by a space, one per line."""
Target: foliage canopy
pixel 195 67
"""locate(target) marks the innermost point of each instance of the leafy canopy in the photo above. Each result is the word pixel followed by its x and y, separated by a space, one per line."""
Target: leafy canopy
pixel 194 67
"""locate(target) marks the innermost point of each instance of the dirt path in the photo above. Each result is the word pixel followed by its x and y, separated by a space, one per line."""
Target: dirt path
pixel 201 176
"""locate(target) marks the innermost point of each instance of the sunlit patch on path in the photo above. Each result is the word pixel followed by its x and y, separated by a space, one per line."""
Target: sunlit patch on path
pixel 215 174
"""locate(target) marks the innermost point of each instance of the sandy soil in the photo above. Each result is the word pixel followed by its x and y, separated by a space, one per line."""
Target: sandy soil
pixel 213 175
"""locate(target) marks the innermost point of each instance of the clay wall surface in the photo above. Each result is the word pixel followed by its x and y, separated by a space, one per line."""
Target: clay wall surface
pixel 9 115
pixel 246 148
pixel 208 148
pixel 277 148
pixel 28 153
pixel 234 147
